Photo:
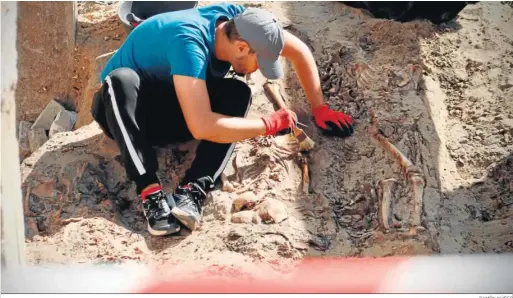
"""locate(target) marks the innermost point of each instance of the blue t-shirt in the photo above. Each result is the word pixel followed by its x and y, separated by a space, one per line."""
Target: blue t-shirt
pixel 175 43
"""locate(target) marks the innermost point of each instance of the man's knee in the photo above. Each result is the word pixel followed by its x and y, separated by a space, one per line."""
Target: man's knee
pixel 122 85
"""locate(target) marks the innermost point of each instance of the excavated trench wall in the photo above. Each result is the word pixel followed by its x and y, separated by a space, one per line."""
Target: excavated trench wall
pixel 45 44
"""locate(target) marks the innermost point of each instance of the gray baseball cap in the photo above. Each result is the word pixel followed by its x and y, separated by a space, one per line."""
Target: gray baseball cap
pixel 265 36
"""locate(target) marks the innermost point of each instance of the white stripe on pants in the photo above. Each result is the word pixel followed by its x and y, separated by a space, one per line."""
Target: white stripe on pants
pixel 131 150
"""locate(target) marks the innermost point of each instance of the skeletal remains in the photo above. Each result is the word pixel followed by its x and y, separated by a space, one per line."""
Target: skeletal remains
pixel 386 187
pixel 385 194
pixel 412 173
pixel 303 160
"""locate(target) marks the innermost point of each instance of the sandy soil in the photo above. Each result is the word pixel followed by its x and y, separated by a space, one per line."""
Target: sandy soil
pixel 440 94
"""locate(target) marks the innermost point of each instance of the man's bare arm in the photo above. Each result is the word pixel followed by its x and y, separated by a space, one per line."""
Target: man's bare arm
pixel 205 124
pixel 298 53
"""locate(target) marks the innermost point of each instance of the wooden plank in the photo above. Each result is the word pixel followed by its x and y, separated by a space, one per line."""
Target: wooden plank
pixel 13 228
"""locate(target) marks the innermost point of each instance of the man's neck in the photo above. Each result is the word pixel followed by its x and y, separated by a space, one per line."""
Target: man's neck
pixel 221 41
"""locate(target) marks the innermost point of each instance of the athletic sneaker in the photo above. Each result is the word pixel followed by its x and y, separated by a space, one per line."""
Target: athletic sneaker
pixel 189 201
pixel 157 211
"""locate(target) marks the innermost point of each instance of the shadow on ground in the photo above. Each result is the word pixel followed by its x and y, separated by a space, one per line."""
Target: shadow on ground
pixel 486 220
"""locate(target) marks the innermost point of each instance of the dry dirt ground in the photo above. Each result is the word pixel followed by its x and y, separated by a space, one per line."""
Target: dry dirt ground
pixel 442 96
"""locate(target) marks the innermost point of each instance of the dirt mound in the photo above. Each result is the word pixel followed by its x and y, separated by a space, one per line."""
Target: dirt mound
pixel 77 196
pixel 396 43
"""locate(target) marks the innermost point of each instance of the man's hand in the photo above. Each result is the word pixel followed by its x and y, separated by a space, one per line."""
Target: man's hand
pixel 279 121
pixel 333 123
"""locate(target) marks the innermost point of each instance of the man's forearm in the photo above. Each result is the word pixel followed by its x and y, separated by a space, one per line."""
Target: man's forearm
pixel 298 53
pixel 225 129
pixel 306 70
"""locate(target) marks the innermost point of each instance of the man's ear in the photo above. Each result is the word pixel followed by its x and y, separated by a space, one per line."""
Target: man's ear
pixel 242 46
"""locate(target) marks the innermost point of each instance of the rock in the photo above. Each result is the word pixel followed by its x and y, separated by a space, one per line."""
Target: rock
pixel 37 137
pixel 23 138
pixel 72 175
pixel 64 121
pixel 225 184
pixel 246 216
pixel 256 218
pixel 47 116
pixel 220 207
pixel 246 200
pixel 227 187
pixel 272 211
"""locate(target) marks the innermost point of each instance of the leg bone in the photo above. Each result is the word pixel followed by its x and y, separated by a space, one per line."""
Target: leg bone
pixel 413 174
pixel 385 194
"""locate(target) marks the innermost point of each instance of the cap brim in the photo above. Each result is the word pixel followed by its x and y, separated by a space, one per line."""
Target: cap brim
pixel 271 69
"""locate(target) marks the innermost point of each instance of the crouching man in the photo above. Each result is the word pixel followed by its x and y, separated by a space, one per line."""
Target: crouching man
pixel 166 84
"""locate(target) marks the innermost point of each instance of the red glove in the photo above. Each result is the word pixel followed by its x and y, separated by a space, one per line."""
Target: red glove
pixel 279 121
pixel 333 123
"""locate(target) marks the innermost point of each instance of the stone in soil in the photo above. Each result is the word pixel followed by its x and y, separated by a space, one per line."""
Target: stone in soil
pixel 64 121
pixel 246 200
pixel 246 216
pixel 37 137
pixel 47 116
pixel 272 211
pixel 220 207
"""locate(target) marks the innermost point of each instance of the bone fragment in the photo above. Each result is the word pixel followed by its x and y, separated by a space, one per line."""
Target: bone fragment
pixel 385 194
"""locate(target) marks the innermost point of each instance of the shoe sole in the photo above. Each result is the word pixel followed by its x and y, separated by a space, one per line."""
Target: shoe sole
pixel 185 218
pixel 163 233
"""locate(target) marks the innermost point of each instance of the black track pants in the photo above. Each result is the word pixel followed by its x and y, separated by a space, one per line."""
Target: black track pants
pixel 139 114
